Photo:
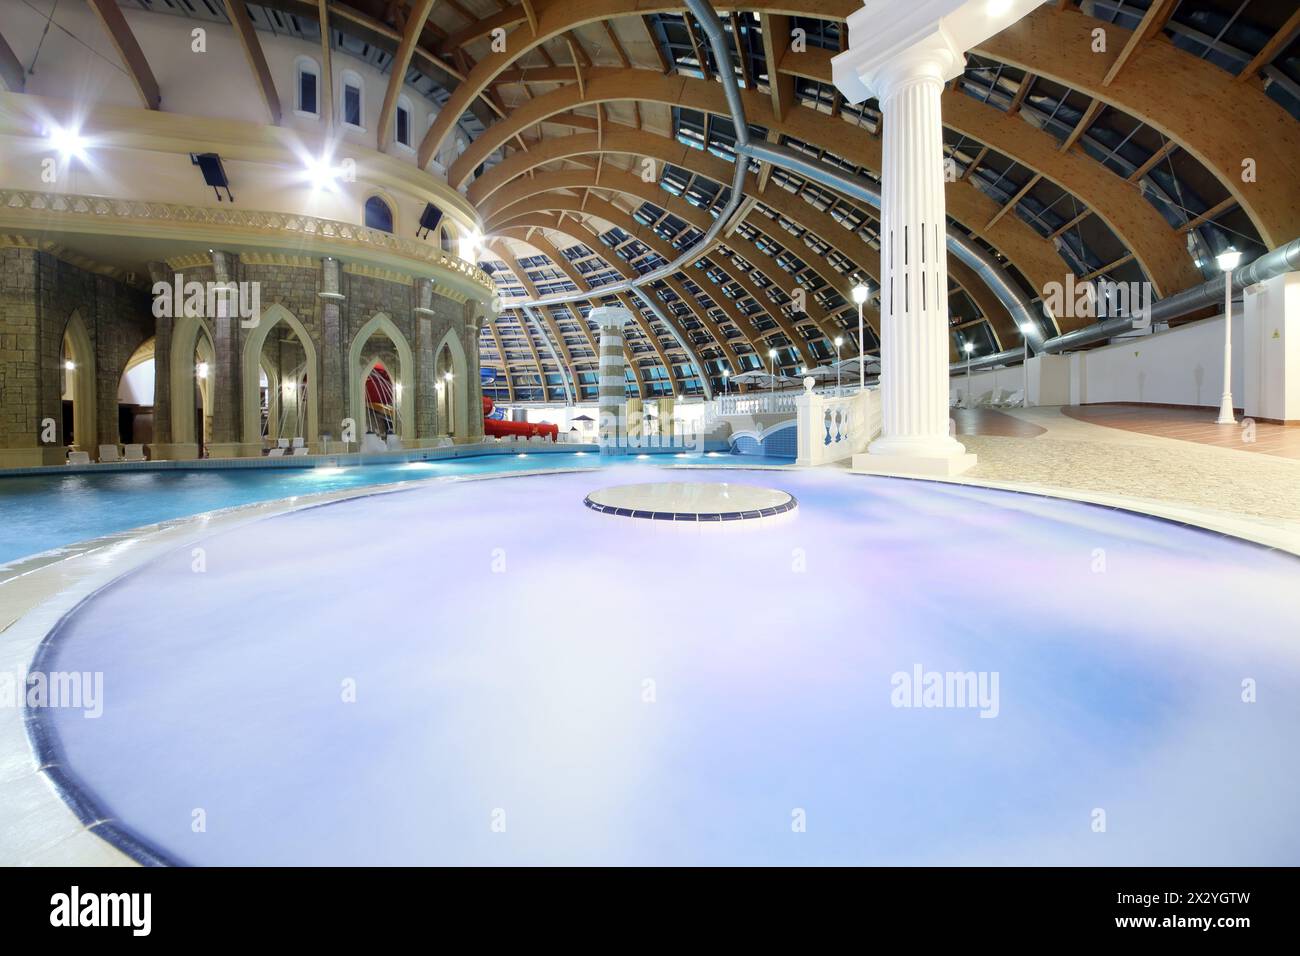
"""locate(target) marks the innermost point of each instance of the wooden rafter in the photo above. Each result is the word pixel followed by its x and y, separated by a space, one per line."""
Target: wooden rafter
pixel 12 73
pixel 1272 47
pixel 128 48
pixel 397 69
pixel 1152 22
pixel 326 65
pixel 237 11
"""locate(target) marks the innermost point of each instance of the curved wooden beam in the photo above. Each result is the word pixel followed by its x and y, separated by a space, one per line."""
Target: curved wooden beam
pixel 1026 249
pixel 556 18
pixel 1194 103
pixel 1158 248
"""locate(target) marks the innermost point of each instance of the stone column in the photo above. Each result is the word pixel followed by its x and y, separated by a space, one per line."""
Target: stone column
pixel 227 415
pixel 162 368
pixel 612 393
pixel 335 381
pixel 903 55
pixel 425 399
pixel 475 322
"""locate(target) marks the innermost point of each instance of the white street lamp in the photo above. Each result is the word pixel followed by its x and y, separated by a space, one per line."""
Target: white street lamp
pixel 969 347
pixel 771 354
pixel 860 293
pixel 1227 260
pixel 1025 329
pixel 839 340
pixel 726 381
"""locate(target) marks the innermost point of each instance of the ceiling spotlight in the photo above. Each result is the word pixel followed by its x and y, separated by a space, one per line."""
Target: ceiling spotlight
pixel 201 370
pixel 322 174
pixel 69 143
pixel 70 365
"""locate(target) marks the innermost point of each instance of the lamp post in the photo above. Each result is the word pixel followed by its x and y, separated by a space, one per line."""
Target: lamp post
pixel 771 355
pixel 1025 329
pixel 839 340
pixel 1227 260
pixel 969 347
pixel 726 381
pixel 860 293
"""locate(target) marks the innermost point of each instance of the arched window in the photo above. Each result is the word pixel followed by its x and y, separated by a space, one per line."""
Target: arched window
pixel 352 102
pixel 403 128
pixel 307 87
pixel 379 215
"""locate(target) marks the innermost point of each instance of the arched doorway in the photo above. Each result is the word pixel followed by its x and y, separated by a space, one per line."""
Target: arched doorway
pixel 77 391
pixel 450 387
pixel 135 397
pixel 368 348
pixel 193 377
pixel 280 343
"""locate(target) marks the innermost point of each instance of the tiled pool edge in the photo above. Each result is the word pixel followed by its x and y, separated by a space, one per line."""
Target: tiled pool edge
pixel 35 629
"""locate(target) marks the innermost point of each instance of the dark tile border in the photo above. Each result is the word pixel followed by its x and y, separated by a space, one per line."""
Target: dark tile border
pixel 694 516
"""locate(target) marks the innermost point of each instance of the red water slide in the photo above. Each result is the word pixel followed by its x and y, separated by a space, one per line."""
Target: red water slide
pixel 497 427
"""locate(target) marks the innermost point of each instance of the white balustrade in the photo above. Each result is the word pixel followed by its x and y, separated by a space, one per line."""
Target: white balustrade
pixel 834 427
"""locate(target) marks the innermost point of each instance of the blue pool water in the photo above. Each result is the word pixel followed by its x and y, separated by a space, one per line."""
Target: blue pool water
pixel 490 672
pixel 41 512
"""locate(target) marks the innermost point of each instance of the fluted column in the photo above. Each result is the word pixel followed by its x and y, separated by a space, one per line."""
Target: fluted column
pixel 613 379
pixel 914 267
pixel 903 54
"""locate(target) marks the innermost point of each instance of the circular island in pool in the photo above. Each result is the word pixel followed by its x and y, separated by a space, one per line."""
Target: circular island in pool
pixel 691 501
pixel 485 671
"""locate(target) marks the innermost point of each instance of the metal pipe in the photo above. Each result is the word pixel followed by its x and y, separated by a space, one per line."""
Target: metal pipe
pixel 959 244
pixel 687 347
pixel 1283 259
pixel 564 378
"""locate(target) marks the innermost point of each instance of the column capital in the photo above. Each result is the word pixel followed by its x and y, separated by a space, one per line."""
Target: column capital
pixel 610 316
pixel 892 43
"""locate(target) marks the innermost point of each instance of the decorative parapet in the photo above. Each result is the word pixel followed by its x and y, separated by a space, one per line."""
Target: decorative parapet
pixel 19 208
pixel 835 427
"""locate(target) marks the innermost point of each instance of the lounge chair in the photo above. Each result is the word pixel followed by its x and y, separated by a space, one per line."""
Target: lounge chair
pixel 392 442
pixel 297 443
pixel 277 452
pixel 78 458
pixel 299 450
pixel 108 453
pixel 134 453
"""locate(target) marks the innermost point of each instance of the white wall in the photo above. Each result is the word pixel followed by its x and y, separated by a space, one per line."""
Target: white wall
pixel 1182 366
pixel 984 382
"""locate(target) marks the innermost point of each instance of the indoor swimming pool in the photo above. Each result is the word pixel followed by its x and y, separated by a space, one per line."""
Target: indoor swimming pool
pixel 41 512
pixel 488 672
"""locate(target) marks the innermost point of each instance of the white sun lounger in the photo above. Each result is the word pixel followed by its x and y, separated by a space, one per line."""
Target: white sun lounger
pixel 134 453
pixel 78 458
pixel 109 453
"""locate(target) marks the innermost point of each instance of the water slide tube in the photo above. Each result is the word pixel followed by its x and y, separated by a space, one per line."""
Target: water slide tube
pixel 498 427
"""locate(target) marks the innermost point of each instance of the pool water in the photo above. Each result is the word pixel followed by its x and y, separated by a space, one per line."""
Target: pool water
pixel 41 512
pixel 490 673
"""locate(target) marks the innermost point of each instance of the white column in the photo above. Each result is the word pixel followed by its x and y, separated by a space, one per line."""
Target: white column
pixel 903 54
pixel 914 271
pixel 612 389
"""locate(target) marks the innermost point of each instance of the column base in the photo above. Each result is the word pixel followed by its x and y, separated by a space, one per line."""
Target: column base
pixel 931 457
pixel 33 457
pixel 173 451
pixel 235 450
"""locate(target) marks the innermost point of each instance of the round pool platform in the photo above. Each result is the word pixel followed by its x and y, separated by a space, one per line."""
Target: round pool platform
pixel 483 672
pixel 694 501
